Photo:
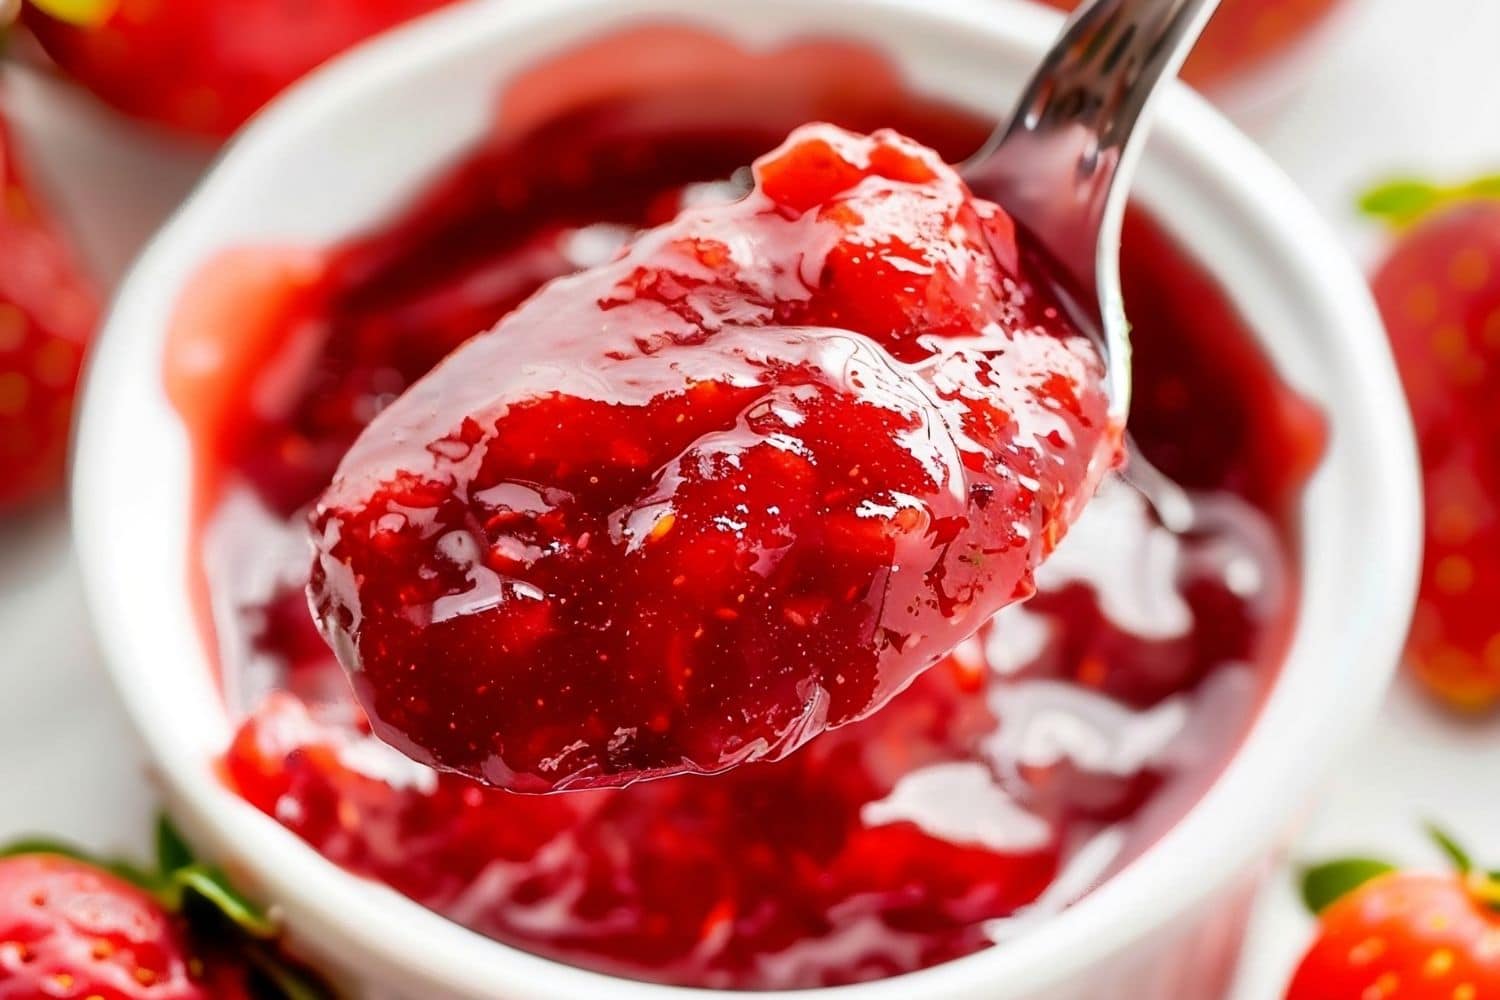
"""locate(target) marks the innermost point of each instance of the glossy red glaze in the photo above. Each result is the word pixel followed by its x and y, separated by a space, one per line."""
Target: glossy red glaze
pixel 1066 745
pixel 695 506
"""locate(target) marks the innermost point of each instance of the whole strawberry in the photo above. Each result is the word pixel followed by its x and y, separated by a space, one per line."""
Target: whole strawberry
pixel 1391 935
pixel 1439 292
pixel 68 929
pixel 71 927
pixel 203 66
pixel 48 312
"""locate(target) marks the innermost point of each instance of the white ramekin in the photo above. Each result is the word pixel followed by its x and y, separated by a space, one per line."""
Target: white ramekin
pixel 339 151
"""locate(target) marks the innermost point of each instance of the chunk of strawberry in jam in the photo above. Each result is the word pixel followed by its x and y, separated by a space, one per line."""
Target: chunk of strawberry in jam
pixel 741 485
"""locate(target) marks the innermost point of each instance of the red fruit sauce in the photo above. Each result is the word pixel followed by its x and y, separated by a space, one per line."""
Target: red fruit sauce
pixel 1040 756
pixel 739 485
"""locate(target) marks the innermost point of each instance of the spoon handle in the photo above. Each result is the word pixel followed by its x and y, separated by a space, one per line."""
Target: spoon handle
pixel 1074 129
pixel 1107 64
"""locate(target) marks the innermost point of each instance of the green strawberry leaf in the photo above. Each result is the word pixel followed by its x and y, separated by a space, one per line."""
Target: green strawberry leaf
pixel 213 887
pixel 1403 202
pixel 1462 863
pixel 85 13
pixel 1325 884
pixel 172 852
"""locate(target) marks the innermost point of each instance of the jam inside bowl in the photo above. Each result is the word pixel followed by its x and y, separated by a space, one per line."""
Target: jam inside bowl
pixel 299 242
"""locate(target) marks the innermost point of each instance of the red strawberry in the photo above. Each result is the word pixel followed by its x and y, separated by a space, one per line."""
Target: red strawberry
pixel 1391 935
pixel 1439 292
pixel 1244 35
pixel 48 311
pixel 203 66
pixel 68 929
pixel 71 928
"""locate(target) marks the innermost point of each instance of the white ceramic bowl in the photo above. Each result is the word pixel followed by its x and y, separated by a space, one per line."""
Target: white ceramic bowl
pixel 340 150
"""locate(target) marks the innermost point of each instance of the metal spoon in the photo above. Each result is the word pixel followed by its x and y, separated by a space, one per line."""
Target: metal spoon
pixel 1062 166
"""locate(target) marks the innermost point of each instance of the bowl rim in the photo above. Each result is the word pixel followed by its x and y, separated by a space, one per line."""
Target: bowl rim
pixel 1273 769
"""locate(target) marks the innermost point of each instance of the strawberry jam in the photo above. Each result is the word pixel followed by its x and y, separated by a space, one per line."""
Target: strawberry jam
pixel 694 506
pixel 1035 759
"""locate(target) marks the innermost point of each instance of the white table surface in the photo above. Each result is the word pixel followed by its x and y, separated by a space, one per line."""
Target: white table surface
pixel 1407 85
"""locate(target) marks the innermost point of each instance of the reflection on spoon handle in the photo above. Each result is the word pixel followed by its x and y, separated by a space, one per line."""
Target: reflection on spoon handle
pixel 1107 64
pixel 1099 78
pixel 1061 165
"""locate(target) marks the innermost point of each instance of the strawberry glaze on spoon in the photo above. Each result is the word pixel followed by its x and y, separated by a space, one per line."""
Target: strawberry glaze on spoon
pixel 738 486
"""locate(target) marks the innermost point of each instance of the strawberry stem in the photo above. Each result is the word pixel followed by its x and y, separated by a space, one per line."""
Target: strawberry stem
pixel 1483 887
pixel 1462 862
pixel 210 885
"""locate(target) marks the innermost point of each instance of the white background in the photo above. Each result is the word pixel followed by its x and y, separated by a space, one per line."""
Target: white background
pixel 1402 86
